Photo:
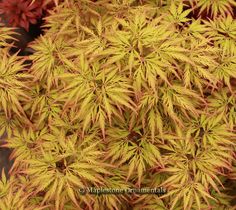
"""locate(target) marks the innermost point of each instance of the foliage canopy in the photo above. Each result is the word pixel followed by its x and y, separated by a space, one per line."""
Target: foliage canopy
pixel 122 94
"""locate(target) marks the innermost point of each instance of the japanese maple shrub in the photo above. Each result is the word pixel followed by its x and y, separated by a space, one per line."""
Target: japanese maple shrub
pixel 123 94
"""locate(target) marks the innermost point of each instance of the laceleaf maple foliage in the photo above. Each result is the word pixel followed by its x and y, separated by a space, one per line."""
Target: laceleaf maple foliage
pixel 6 33
pixel 123 94
pixel 216 7
pixel 22 13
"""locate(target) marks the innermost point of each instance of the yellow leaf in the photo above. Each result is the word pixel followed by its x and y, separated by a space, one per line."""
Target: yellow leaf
pixel 71 194
pixel 131 169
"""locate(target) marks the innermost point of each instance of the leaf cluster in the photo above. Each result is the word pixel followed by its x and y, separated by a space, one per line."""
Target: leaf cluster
pixel 120 94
